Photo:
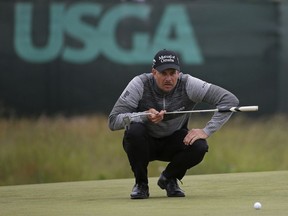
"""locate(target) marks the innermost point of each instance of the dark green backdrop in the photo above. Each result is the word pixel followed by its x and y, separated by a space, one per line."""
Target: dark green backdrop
pixel 75 57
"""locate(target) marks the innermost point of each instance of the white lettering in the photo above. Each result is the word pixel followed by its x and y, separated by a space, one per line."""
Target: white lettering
pixel 167 58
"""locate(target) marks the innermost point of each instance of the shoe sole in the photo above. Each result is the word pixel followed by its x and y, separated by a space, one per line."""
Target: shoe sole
pixel 176 195
pixel 140 197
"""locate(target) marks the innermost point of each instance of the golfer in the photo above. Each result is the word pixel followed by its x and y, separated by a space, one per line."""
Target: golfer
pixel 151 135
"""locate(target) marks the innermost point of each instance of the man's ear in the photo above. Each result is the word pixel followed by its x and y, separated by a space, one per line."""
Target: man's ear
pixel 154 71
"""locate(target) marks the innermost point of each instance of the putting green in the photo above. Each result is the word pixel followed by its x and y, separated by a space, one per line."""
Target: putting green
pixel 217 194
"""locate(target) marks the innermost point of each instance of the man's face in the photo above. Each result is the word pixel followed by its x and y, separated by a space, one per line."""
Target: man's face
pixel 167 79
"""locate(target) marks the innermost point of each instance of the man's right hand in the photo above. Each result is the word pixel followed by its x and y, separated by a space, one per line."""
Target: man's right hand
pixel 155 116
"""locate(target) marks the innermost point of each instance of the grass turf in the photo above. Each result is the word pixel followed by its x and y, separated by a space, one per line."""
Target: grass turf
pixel 215 194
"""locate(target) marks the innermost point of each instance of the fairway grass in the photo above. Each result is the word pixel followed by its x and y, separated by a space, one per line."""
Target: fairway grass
pixel 210 194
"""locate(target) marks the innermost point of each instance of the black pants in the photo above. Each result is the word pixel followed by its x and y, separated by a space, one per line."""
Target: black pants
pixel 142 148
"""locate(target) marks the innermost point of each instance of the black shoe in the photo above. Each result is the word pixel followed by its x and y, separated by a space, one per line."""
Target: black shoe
pixel 140 191
pixel 171 186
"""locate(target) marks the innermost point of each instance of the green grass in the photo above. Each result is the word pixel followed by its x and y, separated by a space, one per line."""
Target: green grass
pixel 213 194
pixel 60 149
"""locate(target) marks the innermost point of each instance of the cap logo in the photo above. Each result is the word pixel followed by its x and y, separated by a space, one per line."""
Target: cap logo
pixel 167 58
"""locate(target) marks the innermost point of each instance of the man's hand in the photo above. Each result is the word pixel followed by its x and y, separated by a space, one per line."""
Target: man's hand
pixel 156 116
pixel 194 135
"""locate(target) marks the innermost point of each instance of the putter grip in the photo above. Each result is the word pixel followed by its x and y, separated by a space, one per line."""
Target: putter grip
pixel 240 109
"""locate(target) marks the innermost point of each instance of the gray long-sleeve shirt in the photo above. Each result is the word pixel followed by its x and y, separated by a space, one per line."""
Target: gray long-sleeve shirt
pixel 142 93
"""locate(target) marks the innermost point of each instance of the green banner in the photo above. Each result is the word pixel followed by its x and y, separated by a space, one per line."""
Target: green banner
pixel 76 56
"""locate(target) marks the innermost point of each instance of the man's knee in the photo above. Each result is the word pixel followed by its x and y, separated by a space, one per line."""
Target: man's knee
pixel 135 130
pixel 197 152
pixel 201 146
pixel 134 137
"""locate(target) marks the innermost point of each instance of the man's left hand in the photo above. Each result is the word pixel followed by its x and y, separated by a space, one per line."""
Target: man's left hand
pixel 194 135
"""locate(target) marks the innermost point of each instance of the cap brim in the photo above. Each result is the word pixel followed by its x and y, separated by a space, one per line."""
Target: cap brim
pixel 167 66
